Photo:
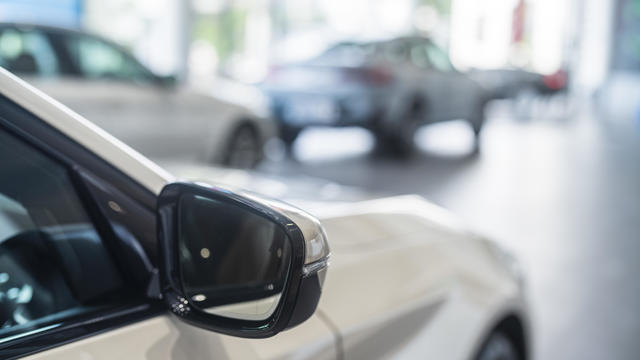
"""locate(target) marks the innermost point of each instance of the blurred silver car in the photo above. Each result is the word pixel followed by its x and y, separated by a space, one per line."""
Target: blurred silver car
pixel 390 87
pixel 103 82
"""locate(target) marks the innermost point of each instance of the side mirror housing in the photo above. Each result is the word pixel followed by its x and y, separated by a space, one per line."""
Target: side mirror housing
pixel 238 264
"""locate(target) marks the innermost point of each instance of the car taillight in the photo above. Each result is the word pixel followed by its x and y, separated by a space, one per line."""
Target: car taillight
pixel 556 81
pixel 379 75
pixel 371 76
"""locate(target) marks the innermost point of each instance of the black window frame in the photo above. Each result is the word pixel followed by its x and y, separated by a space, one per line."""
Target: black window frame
pixel 77 159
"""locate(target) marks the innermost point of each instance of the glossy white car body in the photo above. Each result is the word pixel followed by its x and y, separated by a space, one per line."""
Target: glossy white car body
pixel 406 280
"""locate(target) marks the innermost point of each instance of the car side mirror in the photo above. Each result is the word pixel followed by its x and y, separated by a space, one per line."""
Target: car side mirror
pixel 238 264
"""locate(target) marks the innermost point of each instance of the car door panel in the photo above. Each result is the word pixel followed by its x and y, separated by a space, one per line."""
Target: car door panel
pixel 431 85
pixel 437 88
pixel 165 337
pixel 464 96
pixel 381 317
pixel 459 91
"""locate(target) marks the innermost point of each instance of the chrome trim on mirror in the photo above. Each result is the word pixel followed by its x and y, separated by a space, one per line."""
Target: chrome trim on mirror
pixel 310 269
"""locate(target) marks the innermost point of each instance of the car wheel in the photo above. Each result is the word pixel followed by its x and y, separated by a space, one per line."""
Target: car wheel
pixel 398 141
pixel 288 135
pixel 477 121
pixel 243 149
pixel 393 144
pixel 498 347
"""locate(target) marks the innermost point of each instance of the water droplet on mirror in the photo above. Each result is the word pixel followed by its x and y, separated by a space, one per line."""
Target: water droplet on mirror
pixel 114 206
pixel 199 297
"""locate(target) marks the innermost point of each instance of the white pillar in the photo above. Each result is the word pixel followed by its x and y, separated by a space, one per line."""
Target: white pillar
pixel 595 44
pixel 184 18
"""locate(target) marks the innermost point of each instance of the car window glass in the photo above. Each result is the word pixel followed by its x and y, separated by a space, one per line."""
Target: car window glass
pixel 345 54
pixel 53 262
pixel 27 52
pixel 99 60
pixel 419 57
pixel 133 224
pixel 14 218
pixel 438 58
pixel 396 52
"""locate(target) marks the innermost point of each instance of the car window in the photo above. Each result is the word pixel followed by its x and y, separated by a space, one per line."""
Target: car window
pixel 346 54
pixel 27 52
pixel 438 58
pixel 97 59
pixel 419 57
pixel 396 52
pixel 133 224
pixel 53 262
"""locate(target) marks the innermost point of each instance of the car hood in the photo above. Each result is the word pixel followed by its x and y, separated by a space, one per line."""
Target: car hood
pixel 299 190
pixel 323 198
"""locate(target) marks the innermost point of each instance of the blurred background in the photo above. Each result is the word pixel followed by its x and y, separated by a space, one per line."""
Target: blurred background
pixel 520 116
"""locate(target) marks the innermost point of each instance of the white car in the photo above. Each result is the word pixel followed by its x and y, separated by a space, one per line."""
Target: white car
pixel 103 255
pixel 103 82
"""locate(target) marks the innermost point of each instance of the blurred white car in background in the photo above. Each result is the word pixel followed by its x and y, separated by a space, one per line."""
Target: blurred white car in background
pixel 159 118
pixel 406 280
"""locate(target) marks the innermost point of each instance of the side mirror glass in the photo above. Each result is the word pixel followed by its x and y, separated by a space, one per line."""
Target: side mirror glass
pixel 233 262
pixel 238 264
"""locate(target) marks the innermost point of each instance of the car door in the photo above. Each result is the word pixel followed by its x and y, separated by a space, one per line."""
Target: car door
pixel 434 85
pixel 460 90
pixel 77 262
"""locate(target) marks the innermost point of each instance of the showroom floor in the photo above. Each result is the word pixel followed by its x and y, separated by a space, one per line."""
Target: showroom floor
pixel 562 192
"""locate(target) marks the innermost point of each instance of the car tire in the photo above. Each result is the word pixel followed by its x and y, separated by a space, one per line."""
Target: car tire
pixel 499 346
pixel 393 144
pixel 243 148
pixel 399 141
pixel 288 135
pixel 477 121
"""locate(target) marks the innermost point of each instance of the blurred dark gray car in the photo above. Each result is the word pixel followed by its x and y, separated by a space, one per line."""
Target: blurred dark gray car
pixel 390 87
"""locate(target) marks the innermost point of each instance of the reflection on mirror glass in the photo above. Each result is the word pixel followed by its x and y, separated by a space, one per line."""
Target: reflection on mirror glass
pixel 234 262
